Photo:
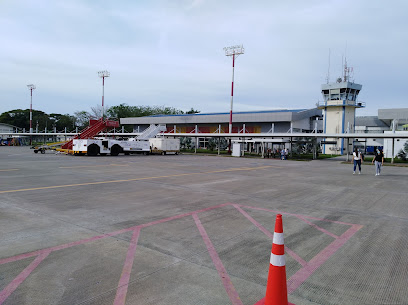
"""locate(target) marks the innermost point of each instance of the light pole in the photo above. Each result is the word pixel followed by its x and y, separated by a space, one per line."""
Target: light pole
pixel 31 87
pixel 103 74
pixel 233 51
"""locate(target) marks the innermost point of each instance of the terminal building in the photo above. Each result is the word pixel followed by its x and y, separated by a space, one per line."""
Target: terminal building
pixel 249 122
pixel 388 121
pixel 9 136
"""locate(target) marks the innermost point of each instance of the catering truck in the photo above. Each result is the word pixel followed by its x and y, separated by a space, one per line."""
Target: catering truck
pixel 164 146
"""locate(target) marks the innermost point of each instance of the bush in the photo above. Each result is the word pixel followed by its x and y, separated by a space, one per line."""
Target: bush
pixel 403 153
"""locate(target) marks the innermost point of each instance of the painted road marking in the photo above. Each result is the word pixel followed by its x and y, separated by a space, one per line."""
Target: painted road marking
pixel 136 179
pixel 9 170
pixel 21 277
pixel 308 268
pixel 121 292
pixel 222 272
pixel 91 166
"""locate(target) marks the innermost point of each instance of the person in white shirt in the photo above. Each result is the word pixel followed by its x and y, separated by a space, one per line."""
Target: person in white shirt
pixel 357 161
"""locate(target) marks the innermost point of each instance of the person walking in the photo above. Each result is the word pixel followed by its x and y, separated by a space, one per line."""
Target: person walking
pixel 283 154
pixel 379 161
pixel 357 160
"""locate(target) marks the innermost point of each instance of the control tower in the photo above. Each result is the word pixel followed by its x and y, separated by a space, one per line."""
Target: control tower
pixel 339 110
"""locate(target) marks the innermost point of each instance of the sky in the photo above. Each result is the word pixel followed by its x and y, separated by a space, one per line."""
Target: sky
pixel 170 53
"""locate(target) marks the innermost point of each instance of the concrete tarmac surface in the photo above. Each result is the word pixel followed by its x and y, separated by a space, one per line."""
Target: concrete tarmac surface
pixel 190 229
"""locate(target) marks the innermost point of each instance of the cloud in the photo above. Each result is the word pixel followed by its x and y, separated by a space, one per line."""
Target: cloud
pixel 170 52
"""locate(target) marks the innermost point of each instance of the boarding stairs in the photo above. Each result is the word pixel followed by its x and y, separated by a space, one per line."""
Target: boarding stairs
pixel 151 131
pixel 94 128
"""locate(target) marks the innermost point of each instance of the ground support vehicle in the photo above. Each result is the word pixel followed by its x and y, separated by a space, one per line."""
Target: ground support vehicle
pixel 164 146
pixel 43 148
pixel 100 146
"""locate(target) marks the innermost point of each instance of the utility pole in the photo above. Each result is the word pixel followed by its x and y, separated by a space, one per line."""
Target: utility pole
pixel 103 74
pixel 233 51
pixel 31 87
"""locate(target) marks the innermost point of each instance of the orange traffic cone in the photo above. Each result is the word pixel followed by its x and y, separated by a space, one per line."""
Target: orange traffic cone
pixel 276 290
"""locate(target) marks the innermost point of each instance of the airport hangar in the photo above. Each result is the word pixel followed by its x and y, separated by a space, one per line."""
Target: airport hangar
pixel 245 123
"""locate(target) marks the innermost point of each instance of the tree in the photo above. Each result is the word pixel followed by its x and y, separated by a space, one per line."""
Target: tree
pixel 192 111
pixel 186 143
pixel 403 153
pixel 305 145
pixel 126 111
pixel 96 112
pixel 62 121
pixel 214 142
pixel 82 119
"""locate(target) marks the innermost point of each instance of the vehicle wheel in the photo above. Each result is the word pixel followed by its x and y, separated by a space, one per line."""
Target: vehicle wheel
pixel 115 150
pixel 36 151
pixel 176 153
pixel 42 151
pixel 93 150
pixel 163 153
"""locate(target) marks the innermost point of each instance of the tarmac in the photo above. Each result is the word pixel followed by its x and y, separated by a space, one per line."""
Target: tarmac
pixel 191 229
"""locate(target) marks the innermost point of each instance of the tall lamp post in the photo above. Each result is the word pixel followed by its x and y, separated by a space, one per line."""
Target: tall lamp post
pixel 31 87
pixel 103 74
pixel 233 51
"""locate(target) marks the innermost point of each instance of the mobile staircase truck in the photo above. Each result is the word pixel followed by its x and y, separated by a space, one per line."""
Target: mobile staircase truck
pixel 95 127
pixel 104 146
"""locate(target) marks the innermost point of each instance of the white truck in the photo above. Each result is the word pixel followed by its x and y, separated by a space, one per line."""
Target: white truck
pixel 101 146
pixel 164 146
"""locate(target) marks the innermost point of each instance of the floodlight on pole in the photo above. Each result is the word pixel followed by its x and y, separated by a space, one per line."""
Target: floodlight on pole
pixel 103 74
pixel 233 51
pixel 31 87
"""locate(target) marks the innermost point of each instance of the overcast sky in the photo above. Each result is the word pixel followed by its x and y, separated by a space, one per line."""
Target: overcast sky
pixel 170 53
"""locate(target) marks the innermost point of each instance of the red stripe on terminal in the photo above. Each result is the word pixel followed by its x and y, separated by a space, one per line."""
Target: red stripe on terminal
pixel 278 249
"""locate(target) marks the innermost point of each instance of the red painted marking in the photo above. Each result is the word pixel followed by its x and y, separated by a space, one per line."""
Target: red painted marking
pixel 229 287
pixel 60 247
pixel 127 269
pixel 299 277
pixel 270 235
pixel 296 215
pixel 232 89
pixel 309 267
pixel 262 302
pixel 182 215
pixel 318 228
pixel 44 252
pixel 21 277
pixel 83 241
pixel 294 282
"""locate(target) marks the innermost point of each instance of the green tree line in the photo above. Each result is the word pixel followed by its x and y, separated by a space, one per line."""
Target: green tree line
pixel 41 120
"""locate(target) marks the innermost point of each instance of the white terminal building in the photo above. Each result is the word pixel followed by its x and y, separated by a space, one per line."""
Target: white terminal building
pixel 245 123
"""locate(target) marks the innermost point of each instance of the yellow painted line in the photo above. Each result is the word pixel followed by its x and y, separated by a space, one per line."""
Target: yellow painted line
pixel 9 170
pixel 137 179
pixel 102 165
